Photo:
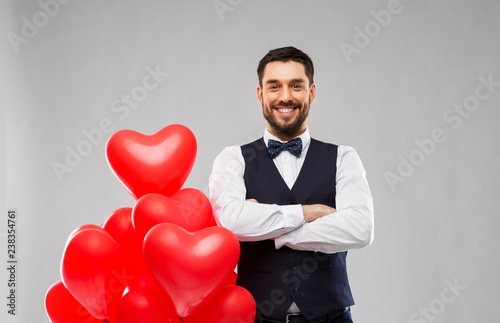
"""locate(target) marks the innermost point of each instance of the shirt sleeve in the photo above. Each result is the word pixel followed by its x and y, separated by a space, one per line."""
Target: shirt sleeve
pixel 249 221
pixel 352 226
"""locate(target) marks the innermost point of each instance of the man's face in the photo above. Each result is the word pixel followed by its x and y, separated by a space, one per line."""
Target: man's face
pixel 285 96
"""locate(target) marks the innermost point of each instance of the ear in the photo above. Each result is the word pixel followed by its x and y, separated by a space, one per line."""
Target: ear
pixel 312 93
pixel 259 94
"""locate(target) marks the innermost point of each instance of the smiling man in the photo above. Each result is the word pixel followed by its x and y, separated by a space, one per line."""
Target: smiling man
pixel 296 204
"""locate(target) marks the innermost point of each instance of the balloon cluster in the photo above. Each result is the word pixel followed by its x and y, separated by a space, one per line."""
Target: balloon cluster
pixel 164 260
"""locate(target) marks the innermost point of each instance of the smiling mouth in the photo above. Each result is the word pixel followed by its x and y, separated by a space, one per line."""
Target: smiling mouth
pixel 285 110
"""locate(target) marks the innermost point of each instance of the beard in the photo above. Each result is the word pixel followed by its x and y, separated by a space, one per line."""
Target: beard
pixel 289 128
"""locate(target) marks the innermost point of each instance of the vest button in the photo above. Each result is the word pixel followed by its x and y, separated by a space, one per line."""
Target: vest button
pixel 293 289
pixel 293 266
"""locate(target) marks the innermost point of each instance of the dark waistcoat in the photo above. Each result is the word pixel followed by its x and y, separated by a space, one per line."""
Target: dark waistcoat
pixel 316 281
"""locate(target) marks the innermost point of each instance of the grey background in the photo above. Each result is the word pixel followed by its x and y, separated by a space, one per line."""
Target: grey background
pixel 438 226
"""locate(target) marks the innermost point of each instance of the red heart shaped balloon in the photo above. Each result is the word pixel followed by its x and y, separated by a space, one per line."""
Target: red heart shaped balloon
pixel 92 270
pixel 190 266
pixel 119 226
pixel 232 304
pixel 146 304
pixel 232 279
pixel 159 163
pixel 188 208
pixel 80 228
pixel 62 307
pixel 196 209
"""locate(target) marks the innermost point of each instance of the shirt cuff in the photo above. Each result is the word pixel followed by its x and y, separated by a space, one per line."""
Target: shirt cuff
pixel 293 214
pixel 295 219
pixel 285 239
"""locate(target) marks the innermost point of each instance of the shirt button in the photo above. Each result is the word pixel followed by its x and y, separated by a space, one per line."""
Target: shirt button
pixel 293 289
pixel 293 266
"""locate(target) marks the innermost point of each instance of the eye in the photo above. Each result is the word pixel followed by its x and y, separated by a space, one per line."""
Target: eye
pixel 297 86
pixel 273 87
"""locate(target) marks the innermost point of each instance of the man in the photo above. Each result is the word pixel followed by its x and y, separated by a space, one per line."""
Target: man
pixel 296 204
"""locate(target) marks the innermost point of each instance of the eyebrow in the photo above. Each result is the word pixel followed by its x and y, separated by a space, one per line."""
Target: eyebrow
pixel 299 80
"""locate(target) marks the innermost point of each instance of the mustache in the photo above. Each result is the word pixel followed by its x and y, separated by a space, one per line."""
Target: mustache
pixel 287 104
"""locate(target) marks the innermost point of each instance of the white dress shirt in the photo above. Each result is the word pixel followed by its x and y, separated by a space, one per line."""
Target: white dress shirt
pixel 350 227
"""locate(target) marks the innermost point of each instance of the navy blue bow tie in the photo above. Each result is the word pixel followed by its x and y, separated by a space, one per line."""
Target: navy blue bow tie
pixel 275 148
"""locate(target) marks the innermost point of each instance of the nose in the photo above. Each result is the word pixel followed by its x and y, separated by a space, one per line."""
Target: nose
pixel 285 94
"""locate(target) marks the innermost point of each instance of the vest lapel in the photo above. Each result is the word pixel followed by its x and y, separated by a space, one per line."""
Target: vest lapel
pixel 305 168
pixel 274 172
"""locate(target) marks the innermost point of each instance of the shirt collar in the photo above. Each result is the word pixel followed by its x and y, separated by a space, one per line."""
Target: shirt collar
pixel 305 137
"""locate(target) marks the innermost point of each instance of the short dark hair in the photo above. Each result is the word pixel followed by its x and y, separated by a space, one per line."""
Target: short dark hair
pixel 285 54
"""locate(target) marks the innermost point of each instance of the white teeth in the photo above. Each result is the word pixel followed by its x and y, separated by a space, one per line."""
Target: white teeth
pixel 285 110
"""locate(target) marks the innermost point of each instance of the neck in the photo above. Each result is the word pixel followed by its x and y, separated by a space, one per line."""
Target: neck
pixel 285 136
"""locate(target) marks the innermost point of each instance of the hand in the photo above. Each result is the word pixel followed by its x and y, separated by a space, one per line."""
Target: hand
pixel 316 211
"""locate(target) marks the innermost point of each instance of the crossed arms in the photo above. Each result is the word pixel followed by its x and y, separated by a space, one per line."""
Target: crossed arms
pixel 314 227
